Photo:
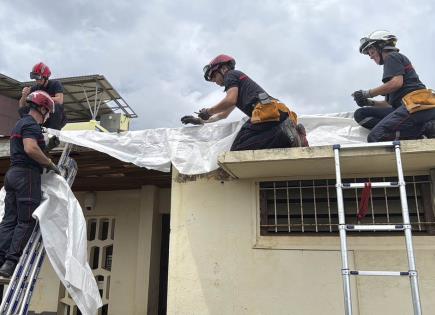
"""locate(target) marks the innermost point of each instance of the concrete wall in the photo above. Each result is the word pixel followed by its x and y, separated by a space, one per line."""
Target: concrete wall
pixel 8 114
pixel 219 264
pixel 136 254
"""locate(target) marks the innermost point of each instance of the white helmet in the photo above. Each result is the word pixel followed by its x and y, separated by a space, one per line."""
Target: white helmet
pixel 384 40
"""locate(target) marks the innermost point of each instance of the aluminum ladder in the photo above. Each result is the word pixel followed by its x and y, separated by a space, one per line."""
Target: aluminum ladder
pixel 405 227
pixel 17 298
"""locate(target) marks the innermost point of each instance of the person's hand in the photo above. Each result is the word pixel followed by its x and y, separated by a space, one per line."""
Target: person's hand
pixel 52 143
pixel 361 98
pixel 25 91
pixel 204 114
pixel 191 120
pixel 51 167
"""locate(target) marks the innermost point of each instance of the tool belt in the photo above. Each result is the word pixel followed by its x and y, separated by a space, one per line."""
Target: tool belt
pixel 416 101
pixel 271 112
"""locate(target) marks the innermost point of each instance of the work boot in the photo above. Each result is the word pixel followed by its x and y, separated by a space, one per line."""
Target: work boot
pixel 302 134
pixel 7 269
pixel 289 129
pixel 429 129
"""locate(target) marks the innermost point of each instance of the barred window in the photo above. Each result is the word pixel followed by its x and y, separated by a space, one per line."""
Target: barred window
pixel 310 206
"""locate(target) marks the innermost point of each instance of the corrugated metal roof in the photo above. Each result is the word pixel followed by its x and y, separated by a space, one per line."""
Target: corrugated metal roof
pixel 83 96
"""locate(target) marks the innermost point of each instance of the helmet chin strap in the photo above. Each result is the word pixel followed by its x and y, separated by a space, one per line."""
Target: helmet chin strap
pixel 381 57
pixel 40 113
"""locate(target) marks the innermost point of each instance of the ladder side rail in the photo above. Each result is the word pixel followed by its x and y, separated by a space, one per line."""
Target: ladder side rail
pixel 19 272
pixel 17 293
pixel 408 235
pixel 342 231
pixel 31 286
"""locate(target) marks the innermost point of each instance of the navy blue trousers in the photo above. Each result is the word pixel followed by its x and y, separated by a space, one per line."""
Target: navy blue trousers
pixel 267 135
pixel 23 196
pixel 387 123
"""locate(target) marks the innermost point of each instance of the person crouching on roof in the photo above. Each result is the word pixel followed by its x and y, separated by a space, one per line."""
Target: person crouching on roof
pixel 23 180
pixel 57 120
pixel 408 111
pixel 271 124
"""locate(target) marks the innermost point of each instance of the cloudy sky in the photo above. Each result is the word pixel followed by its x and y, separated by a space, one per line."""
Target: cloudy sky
pixel 152 51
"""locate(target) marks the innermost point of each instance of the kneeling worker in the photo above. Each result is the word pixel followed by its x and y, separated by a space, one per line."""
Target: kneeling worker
pixel 408 111
pixel 271 124
pixel 23 180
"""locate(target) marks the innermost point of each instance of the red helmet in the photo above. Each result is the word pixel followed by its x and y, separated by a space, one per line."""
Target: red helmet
pixel 41 99
pixel 39 71
pixel 216 63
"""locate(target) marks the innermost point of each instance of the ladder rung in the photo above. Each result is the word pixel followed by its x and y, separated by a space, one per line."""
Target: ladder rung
pixel 373 185
pixel 375 227
pixel 366 145
pixel 379 273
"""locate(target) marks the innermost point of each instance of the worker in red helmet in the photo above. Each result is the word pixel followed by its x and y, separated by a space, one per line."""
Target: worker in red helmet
pixel 41 74
pixel 408 111
pixel 23 180
pixel 271 125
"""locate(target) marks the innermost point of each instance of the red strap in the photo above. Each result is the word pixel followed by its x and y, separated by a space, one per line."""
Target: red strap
pixel 364 202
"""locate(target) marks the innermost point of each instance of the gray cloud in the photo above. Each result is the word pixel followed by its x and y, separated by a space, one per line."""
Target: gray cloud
pixel 303 52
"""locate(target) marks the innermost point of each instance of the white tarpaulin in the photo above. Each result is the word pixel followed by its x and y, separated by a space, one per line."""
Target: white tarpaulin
pixel 63 229
pixel 194 150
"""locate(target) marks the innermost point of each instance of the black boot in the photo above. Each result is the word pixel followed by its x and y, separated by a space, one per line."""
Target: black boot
pixel 429 129
pixel 288 128
pixel 7 269
pixel 302 134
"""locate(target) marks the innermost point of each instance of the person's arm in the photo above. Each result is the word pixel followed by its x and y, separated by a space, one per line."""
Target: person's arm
pixel 33 150
pixel 381 103
pixel 391 86
pixel 24 93
pixel 58 98
pixel 227 103
pixel 219 116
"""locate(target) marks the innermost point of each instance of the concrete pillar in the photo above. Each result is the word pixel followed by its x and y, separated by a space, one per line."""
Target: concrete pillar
pixel 148 253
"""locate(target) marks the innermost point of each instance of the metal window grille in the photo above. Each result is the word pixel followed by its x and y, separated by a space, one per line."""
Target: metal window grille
pixel 310 206
pixel 101 236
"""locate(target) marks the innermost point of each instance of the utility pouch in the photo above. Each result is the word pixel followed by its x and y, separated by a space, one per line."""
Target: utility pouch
pixel 271 112
pixel 419 100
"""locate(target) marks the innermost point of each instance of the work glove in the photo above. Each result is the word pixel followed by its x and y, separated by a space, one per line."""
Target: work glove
pixel 204 114
pixel 191 120
pixel 53 168
pixel 361 98
pixel 52 143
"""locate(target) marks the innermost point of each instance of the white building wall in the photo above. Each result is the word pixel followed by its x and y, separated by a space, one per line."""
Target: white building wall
pixel 219 265
pixel 136 254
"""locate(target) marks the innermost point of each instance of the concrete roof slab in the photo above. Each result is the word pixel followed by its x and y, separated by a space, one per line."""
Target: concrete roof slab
pixel 418 157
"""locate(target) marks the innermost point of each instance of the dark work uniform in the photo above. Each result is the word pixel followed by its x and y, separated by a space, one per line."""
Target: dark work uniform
pixel 265 135
pixel 57 120
pixel 23 190
pixel 395 122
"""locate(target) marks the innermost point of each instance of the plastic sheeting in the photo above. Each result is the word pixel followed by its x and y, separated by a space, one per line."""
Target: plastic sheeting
pixel 195 149
pixel 63 229
pixel 2 203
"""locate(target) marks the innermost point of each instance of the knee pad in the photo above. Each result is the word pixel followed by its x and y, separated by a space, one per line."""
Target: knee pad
pixel 429 129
